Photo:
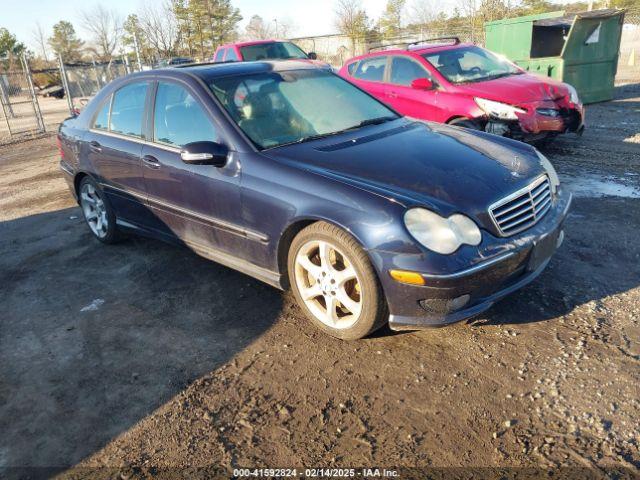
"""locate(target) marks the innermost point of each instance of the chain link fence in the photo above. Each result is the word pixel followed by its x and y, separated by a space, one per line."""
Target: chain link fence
pixel 20 113
pixel 337 49
pixel 81 81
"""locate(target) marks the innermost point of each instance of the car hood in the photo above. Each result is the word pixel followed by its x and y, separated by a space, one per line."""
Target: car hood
pixel 448 169
pixel 518 89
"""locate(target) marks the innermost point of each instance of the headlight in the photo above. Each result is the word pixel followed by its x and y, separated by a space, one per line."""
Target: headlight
pixel 499 110
pixel 573 94
pixel 551 172
pixel 439 234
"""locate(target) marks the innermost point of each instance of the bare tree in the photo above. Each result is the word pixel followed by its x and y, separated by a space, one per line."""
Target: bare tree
pixel 285 27
pixel 351 20
pixel 105 27
pixel 160 28
pixel 258 29
pixel 40 39
pixel 423 12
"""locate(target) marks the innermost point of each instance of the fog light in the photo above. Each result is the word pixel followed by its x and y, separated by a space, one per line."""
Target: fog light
pixel 444 305
pixel 404 276
pixel 459 302
pixel 560 239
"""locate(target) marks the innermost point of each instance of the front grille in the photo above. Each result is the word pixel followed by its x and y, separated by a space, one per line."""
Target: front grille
pixel 522 209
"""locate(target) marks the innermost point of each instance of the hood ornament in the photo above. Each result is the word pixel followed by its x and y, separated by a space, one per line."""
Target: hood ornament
pixel 515 166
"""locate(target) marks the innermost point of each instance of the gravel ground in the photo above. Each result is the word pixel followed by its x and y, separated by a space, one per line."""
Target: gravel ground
pixel 142 358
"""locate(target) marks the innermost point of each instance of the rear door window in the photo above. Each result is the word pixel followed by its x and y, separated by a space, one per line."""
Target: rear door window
pixel 219 55
pixel 404 71
pixel 371 69
pixel 179 118
pixel 127 109
pixel 232 56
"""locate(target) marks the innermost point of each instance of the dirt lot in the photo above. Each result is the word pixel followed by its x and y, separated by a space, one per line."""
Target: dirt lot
pixel 142 357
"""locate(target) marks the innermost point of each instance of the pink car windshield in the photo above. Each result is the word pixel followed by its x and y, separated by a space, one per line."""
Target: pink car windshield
pixel 470 64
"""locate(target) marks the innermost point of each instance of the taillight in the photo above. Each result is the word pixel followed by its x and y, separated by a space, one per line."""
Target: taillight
pixel 60 150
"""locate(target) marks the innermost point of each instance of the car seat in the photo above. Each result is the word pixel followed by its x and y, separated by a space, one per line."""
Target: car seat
pixel 449 66
pixel 263 122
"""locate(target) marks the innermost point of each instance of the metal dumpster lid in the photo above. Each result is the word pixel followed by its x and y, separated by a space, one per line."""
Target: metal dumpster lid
pixel 567 20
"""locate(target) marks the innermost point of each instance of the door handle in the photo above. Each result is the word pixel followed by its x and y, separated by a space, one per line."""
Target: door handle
pixel 392 94
pixel 151 162
pixel 95 147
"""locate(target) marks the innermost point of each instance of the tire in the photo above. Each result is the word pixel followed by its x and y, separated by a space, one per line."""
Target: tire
pixel 348 285
pixel 466 123
pixel 97 211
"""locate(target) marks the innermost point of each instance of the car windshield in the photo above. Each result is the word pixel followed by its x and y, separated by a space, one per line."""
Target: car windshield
pixel 271 51
pixel 471 64
pixel 277 108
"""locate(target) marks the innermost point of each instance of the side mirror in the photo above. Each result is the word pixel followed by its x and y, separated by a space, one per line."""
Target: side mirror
pixel 312 55
pixel 422 84
pixel 205 153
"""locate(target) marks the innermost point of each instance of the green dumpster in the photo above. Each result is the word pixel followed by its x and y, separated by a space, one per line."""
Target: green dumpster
pixel 580 49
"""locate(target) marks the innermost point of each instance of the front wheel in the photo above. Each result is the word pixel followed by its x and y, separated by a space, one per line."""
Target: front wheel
pixel 335 283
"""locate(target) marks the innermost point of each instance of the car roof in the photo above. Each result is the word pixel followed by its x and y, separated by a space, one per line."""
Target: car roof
pixel 248 43
pixel 417 50
pixel 212 70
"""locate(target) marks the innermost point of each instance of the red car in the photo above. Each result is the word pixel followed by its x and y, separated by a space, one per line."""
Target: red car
pixel 466 85
pixel 261 50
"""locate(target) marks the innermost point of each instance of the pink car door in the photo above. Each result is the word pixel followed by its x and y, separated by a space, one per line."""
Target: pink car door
pixel 417 103
pixel 370 74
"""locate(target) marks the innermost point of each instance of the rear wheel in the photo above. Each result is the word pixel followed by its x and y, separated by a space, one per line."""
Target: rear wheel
pixel 334 282
pixel 97 212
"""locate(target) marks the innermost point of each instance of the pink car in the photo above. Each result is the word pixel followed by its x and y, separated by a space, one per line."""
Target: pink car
pixel 466 85
pixel 261 50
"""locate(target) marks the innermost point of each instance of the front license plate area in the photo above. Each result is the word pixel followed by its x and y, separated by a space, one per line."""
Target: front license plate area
pixel 542 250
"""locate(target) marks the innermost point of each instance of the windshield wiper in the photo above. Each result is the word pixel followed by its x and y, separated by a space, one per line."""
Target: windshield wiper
pixel 371 121
pixel 364 123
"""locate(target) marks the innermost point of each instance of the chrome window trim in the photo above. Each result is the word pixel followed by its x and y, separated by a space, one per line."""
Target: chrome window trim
pixel 142 141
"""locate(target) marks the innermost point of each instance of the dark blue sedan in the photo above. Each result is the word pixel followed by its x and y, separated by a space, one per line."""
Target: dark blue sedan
pixel 296 177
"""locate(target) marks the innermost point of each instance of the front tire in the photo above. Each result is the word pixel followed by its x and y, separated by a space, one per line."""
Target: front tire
pixel 334 282
pixel 97 212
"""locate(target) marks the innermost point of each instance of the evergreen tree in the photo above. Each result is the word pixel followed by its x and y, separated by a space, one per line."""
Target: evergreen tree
pixel 65 43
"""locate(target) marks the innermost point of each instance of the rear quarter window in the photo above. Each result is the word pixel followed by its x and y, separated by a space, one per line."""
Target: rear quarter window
pixel 351 68
pixel 231 55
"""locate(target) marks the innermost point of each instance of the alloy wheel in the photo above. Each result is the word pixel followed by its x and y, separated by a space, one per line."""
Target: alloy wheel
pixel 328 284
pixel 94 210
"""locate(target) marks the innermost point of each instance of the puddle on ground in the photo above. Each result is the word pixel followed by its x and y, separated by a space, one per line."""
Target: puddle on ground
pixel 595 186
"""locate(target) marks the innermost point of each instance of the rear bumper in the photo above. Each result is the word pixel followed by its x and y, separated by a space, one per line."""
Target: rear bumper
pixel 450 297
pixel 69 176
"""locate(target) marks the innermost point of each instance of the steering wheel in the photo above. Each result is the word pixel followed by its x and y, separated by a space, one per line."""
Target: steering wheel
pixel 475 70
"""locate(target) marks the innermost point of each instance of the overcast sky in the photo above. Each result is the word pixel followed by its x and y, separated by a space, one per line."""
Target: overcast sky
pixel 310 17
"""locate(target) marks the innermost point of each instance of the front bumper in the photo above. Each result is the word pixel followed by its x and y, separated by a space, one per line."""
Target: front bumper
pixel 533 125
pixel 453 296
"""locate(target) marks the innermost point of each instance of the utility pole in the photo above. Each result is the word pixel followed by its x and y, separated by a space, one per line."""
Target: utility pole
pixel 276 21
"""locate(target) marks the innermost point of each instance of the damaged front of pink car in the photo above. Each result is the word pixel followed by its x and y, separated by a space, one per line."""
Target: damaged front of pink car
pixel 539 107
